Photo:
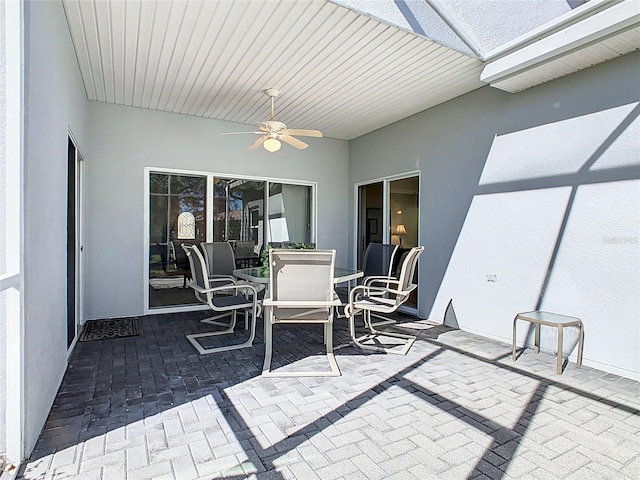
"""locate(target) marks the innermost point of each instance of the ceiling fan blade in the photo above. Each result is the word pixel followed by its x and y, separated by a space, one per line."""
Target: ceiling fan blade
pixel 258 142
pixel 294 142
pixel 304 133
pixel 240 133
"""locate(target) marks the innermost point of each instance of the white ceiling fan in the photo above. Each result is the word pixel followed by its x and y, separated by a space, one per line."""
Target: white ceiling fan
pixel 272 132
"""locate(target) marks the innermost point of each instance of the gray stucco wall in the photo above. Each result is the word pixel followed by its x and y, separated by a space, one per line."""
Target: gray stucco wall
pixel 539 188
pixel 125 140
pixel 54 102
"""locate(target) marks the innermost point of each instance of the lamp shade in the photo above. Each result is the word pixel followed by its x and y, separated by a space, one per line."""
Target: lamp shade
pixel 399 230
pixel 272 144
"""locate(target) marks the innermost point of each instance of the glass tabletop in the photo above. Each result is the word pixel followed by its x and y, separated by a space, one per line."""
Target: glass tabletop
pixel 255 274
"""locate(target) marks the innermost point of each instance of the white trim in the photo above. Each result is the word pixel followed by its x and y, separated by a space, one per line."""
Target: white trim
pixel 15 377
pixel 79 240
pixel 589 8
pixel 80 235
pixel 201 173
pixel 145 241
pixel 598 27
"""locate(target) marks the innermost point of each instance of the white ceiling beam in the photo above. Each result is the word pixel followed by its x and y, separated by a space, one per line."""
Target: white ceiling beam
pixel 612 21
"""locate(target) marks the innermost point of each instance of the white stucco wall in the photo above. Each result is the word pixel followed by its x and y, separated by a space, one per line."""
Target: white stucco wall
pixel 125 140
pixel 54 102
pixel 540 188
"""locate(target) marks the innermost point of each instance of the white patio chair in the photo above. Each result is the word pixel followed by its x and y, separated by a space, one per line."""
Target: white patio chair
pixel 377 264
pixel 241 297
pixel 383 296
pixel 378 259
pixel 220 260
pixel 300 291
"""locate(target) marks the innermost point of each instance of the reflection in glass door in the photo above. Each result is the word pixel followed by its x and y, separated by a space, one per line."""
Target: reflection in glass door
pixel 403 216
pixel 177 215
pixel 388 213
pixel 289 214
pixel 239 215
pixel 370 226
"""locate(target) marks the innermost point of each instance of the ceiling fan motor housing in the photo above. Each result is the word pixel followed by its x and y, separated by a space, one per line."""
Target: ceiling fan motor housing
pixel 273 125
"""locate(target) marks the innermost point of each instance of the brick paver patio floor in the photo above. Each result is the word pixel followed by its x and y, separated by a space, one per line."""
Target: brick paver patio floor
pixel 455 406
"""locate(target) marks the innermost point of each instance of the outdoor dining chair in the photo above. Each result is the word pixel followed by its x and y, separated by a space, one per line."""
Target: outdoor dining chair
pixel 377 262
pixel 383 295
pixel 220 261
pixel 239 298
pixel 378 259
pixel 301 292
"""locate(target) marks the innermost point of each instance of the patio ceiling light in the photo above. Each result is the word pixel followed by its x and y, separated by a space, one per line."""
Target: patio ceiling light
pixel 272 145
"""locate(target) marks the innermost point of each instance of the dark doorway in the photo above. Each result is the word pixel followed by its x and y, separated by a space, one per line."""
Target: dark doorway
pixel 370 225
pixel 71 243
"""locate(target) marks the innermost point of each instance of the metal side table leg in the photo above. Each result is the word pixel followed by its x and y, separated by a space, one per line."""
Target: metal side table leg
pixel 560 345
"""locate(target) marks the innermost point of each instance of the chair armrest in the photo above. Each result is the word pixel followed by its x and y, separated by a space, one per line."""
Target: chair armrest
pixel 226 288
pixel 300 304
pixel 367 291
pixel 377 278
pixel 223 278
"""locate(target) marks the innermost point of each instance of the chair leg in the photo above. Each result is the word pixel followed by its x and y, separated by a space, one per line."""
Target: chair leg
pixel 383 321
pixel 268 332
pixel 193 338
pixel 374 335
pixel 328 335
pixel 334 370
pixel 228 327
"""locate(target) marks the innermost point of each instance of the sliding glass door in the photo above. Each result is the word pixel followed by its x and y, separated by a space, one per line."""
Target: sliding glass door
pixel 239 213
pixel 247 213
pixel 177 215
pixel 387 212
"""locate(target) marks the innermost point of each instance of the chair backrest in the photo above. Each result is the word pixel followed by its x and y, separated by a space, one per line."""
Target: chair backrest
pixel 244 249
pixel 198 269
pixel 408 269
pixel 219 257
pixel 378 259
pixel 301 275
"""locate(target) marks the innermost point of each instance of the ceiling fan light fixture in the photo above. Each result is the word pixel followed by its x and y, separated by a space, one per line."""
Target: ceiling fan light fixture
pixel 272 145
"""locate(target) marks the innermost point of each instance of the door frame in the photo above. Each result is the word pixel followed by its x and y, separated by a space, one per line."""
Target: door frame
pixel 386 219
pixel 79 239
pixel 147 310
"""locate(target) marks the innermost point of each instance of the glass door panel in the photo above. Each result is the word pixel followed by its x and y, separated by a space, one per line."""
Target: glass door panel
pixel 403 215
pixel 388 213
pixel 238 211
pixel 177 214
pixel 370 226
pixel 290 214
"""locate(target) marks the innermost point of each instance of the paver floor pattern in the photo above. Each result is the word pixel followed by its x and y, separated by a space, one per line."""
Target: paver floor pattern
pixel 456 407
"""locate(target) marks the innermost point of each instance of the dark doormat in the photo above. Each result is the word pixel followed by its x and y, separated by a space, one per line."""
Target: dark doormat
pixel 106 329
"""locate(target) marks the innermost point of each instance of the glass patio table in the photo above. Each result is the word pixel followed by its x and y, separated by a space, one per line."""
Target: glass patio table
pixel 340 275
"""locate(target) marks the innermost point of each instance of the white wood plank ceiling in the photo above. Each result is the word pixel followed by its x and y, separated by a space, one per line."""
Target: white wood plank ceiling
pixel 338 71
